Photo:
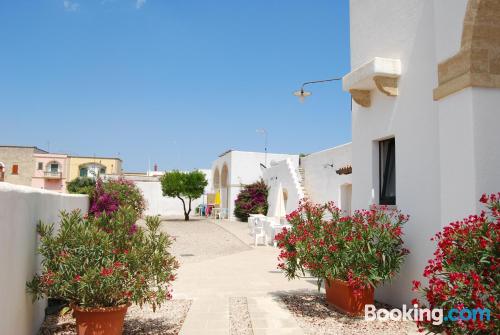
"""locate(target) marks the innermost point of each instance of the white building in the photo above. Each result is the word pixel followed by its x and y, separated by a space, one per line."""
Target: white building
pixel 322 177
pixel 425 138
pixel 285 177
pixel 234 169
pixel 328 176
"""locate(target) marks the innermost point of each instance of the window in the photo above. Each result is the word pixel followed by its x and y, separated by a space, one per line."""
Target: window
pixel 40 166
pixel 83 172
pixel 54 167
pixel 15 169
pixel 387 172
pixel 102 171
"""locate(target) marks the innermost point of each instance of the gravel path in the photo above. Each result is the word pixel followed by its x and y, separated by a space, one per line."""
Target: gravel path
pixel 315 317
pixel 200 239
pixel 167 320
pixel 239 316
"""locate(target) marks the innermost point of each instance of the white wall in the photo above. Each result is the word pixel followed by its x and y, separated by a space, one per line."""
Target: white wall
pixel 157 204
pixel 404 30
pixel 447 151
pixel 244 168
pixel 469 150
pixel 322 183
pixel 283 173
pixel 20 209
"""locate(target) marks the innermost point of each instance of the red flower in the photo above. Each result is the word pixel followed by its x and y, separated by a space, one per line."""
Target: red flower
pixel 106 272
pixel 77 278
pixel 416 285
pixel 484 198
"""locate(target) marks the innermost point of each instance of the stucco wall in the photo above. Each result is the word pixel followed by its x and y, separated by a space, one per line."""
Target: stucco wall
pixel 157 204
pixel 403 30
pixel 244 168
pixel 23 157
pixel 446 150
pixel 39 180
pixel 283 173
pixel 469 150
pixel 20 209
pixel 322 183
pixel 113 165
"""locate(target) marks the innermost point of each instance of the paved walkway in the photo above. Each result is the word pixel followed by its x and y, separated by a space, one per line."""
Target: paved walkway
pixel 250 273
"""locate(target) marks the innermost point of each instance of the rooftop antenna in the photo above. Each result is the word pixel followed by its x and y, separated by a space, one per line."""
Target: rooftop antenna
pixel 263 131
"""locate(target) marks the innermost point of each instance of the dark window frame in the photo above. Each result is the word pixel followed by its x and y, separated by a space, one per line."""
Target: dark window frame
pixel 387 171
pixel 40 166
pixel 82 169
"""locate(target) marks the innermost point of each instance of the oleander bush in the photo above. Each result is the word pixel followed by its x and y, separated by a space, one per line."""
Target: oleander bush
pixel 365 249
pixel 465 272
pixel 104 261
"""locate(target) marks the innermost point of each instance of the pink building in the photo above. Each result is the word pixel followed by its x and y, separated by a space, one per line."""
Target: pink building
pixel 50 172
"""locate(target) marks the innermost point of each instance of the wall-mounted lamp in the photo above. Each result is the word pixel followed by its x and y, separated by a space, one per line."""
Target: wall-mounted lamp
pixel 302 94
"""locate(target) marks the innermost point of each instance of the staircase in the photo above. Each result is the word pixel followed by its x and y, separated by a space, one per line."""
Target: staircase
pixel 302 181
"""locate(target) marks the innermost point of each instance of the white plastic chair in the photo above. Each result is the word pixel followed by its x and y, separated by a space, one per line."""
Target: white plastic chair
pixel 259 232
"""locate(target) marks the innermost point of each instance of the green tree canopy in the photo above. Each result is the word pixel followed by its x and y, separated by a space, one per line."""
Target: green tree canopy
pixel 81 185
pixel 184 185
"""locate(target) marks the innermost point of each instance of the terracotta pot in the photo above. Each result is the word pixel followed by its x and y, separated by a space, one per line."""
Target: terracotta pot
pixel 99 321
pixel 341 296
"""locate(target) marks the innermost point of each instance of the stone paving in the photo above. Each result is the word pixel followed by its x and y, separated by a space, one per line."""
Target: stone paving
pixel 250 273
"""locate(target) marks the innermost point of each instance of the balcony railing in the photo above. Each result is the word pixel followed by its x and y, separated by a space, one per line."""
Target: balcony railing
pixel 52 175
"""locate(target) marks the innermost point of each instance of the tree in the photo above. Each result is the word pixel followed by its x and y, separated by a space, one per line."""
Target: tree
pixel 81 185
pixel 181 185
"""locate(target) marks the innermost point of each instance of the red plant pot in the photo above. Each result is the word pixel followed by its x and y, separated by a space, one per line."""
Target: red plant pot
pixel 99 321
pixel 342 297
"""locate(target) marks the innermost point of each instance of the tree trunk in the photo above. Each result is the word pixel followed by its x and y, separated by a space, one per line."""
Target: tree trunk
pixel 186 213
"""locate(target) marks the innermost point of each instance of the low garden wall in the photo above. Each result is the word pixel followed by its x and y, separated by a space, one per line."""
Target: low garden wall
pixel 20 209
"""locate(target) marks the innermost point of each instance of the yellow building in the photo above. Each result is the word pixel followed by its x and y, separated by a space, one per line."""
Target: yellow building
pixel 81 166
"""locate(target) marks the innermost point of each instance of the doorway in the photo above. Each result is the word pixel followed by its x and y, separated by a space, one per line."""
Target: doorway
pixel 346 198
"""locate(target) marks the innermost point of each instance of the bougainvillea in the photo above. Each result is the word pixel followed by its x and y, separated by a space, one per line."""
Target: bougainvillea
pixel 364 249
pixel 127 193
pixel 465 271
pixel 102 201
pixel 109 195
pixel 251 200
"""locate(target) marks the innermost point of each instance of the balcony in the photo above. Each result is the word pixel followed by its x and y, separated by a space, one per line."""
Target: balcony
pixel 52 175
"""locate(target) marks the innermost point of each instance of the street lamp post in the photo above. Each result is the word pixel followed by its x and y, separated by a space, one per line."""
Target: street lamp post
pixel 264 132
pixel 302 94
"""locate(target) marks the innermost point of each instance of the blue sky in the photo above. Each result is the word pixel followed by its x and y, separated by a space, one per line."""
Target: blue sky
pixel 175 82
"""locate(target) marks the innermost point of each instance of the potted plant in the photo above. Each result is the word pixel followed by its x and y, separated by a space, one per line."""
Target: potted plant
pixel 463 278
pixel 101 265
pixel 351 254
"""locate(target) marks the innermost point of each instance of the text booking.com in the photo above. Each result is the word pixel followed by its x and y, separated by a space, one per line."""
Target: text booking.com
pixel 436 316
